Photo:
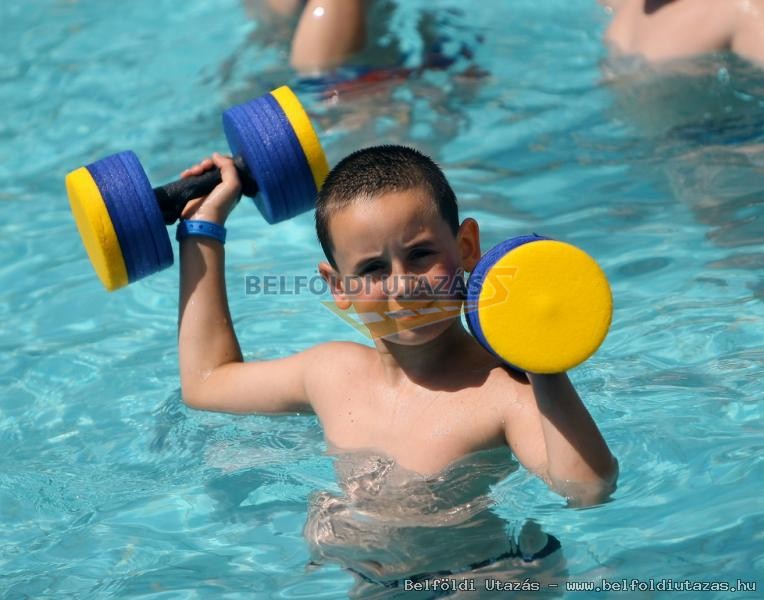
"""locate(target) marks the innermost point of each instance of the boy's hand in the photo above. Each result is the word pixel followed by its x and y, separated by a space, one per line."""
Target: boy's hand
pixel 218 204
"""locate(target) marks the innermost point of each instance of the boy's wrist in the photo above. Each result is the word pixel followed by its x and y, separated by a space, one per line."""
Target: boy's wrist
pixel 200 228
pixel 211 216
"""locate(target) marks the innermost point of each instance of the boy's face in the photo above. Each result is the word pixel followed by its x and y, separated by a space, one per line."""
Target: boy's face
pixel 399 265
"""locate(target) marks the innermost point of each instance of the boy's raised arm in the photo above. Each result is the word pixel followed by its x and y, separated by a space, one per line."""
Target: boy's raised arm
pixel 212 372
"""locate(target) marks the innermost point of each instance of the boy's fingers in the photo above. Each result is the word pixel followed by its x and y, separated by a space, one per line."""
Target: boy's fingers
pixel 222 162
pixel 191 207
pixel 219 202
pixel 198 169
pixel 227 168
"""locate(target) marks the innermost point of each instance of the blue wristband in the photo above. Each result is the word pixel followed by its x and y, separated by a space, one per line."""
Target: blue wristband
pixel 200 228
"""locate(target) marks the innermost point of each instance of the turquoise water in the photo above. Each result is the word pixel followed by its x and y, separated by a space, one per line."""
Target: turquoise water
pixel 111 487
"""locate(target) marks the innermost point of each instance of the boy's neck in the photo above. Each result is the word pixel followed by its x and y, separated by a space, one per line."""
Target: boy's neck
pixel 426 363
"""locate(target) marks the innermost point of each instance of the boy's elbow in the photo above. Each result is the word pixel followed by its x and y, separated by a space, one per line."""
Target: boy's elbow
pixel 190 400
pixel 193 396
pixel 582 494
pixel 593 494
pixel 601 490
pixel 195 388
pixel 589 495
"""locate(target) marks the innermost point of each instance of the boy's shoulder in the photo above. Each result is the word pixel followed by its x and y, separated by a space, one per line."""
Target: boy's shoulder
pixel 334 358
pixel 336 371
pixel 327 351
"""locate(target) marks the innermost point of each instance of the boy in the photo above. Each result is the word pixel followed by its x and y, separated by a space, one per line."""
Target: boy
pixel 426 395
pixel 662 30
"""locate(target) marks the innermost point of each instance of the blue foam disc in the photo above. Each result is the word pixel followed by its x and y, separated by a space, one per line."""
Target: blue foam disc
pixel 269 112
pixel 265 129
pixel 118 193
pixel 477 277
pixel 260 131
pixel 242 141
pixel 130 195
pixel 156 226
pixel 299 166
pixel 131 201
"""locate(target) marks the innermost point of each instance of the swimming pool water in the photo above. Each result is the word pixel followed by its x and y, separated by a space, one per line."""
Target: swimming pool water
pixel 111 487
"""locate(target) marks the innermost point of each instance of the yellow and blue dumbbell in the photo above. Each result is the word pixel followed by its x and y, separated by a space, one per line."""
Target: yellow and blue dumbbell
pixel 540 305
pixel 122 220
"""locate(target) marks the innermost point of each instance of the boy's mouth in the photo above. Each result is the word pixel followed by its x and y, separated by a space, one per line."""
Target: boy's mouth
pixel 415 313
pixel 403 314
pixel 379 319
pixel 405 310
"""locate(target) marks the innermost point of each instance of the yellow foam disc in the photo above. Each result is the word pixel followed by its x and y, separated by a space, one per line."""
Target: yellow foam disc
pixel 545 306
pixel 96 229
pixel 305 133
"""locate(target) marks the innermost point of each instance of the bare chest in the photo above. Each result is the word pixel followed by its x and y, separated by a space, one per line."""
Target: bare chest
pixel 423 431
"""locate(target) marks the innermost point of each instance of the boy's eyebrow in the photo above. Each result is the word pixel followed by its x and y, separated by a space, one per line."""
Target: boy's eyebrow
pixel 425 241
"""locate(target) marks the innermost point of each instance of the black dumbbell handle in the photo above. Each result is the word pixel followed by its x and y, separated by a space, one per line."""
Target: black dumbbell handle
pixel 173 196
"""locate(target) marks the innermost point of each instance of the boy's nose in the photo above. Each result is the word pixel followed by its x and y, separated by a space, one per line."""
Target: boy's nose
pixel 403 283
pixel 397 284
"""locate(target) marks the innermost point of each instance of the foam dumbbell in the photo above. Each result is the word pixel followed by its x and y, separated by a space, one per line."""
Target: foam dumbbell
pixel 122 220
pixel 540 305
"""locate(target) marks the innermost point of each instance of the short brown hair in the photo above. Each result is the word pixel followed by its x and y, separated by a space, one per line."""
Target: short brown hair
pixel 377 170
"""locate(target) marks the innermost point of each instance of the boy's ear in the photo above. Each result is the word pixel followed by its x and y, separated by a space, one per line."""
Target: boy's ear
pixel 334 281
pixel 468 240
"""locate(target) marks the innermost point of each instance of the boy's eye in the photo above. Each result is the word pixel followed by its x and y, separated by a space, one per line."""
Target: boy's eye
pixel 371 268
pixel 420 253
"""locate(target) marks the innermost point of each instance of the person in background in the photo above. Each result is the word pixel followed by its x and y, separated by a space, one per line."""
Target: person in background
pixel 327 34
pixel 662 30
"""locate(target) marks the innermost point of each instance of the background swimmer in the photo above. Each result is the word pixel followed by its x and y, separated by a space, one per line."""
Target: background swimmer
pixel 661 30
pixel 686 75
pixel 326 35
pixel 328 32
